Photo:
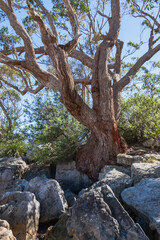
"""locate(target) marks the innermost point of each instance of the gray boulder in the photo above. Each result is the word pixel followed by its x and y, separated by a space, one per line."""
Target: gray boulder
pixel 127 160
pixel 21 211
pixel 70 178
pixel 144 199
pixel 10 169
pixel 20 185
pixel 5 232
pixel 117 180
pixel 144 170
pixel 98 215
pixel 51 197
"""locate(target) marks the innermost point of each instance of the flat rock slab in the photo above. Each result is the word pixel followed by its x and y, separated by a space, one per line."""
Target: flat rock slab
pixel 98 215
pixel 144 198
pixel 108 168
pixel 145 170
pixel 128 160
pixel 151 157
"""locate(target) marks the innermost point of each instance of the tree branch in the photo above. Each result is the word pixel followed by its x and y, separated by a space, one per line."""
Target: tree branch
pixel 146 14
pixel 79 55
pixel 73 19
pixel 44 77
pixel 19 29
pixel 118 64
pixel 49 17
pixel 26 89
pixel 83 81
pixel 6 114
pixel 46 34
pixel 132 72
pixel 83 58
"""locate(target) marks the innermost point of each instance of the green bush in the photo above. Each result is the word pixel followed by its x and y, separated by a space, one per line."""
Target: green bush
pixel 140 118
pixel 55 134
pixel 13 148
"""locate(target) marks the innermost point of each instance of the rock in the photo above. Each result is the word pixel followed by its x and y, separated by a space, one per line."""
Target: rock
pixel 70 178
pixel 137 151
pixel 59 231
pixel 98 215
pixel 70 197
pixel 108 168
pixel 36 170
pixel 17 185
pixel 144 198
pixel 127 160
pixel 5 232
pixel 21 211
pixel 20 185
pixel 151 157
pixel 144 170
pixel 151 142
pixel 10 168
pixel 51 197
pixel 117 180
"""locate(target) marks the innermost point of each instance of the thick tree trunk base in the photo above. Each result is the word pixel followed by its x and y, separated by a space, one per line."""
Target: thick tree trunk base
pixel 96 153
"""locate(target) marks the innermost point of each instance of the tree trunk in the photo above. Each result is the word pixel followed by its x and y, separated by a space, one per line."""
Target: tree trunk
pixel 101 149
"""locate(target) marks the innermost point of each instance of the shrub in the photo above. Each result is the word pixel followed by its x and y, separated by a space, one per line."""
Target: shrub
pixel 140 118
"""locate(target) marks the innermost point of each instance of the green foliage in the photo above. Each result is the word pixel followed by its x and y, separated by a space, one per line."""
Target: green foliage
pixel 7 40
pixel 135 45
pixel 140 118
pixel 13 145
pixel 56 132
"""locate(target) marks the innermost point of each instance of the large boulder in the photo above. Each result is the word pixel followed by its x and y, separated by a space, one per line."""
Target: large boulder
pixel 10 169
pixel 51 197
pixel 98 215
pixel 145 170
pixel 21 210
pixel 5 232
pixel 127 160
pixel 117 180
pixel 144 199
pixel 70 178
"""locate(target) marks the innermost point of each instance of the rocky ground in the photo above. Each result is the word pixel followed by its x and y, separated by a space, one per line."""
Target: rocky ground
pixel 60 203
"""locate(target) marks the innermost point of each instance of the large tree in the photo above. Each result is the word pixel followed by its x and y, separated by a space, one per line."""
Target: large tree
pixel 105 78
